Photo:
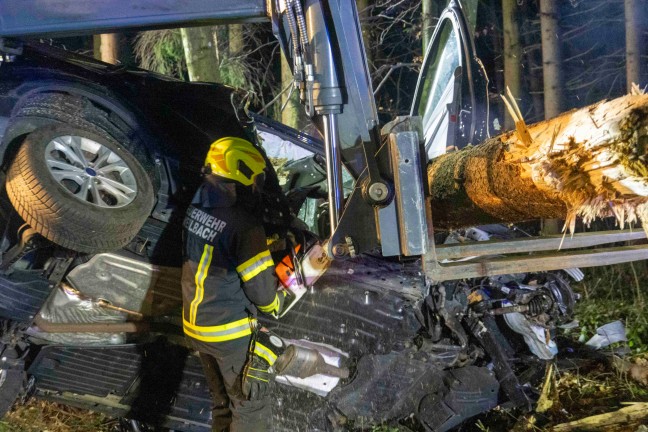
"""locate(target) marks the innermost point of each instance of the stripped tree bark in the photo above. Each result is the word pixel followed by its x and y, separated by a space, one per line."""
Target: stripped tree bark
pixel 585 163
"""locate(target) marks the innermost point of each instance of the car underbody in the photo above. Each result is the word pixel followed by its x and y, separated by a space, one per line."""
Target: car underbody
pixel 108 337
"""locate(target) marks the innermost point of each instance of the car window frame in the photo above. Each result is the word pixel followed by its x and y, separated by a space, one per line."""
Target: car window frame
pixel 455 15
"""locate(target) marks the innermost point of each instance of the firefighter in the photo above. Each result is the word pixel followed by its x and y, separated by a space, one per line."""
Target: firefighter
pixel 227 275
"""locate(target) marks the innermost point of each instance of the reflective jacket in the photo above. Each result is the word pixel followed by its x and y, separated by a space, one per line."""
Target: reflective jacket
pixel 227 271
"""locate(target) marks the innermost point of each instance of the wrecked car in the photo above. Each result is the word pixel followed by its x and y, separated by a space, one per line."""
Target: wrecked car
pixel 98 163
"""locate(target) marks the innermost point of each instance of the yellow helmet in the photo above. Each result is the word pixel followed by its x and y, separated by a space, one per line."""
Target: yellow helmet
pixel 235 159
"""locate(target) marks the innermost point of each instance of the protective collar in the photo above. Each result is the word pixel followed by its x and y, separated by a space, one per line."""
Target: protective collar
pixel 215 193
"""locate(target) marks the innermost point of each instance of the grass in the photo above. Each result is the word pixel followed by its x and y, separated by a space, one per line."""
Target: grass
pixel 615 293
pixel 42 416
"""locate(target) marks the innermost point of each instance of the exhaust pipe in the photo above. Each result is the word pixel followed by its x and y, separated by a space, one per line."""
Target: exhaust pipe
pixel 303 362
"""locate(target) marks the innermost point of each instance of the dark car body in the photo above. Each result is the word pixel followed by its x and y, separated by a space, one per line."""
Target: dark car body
pixel 173 119
pixel 137 364
pixel 102 329
pixel 173 124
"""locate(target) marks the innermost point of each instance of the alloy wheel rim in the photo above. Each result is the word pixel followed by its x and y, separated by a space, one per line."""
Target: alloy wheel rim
pixel 90 171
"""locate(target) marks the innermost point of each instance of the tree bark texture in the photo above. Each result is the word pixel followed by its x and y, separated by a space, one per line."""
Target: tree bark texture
pixel 364 15
pixel 293 113
pixel 201 54
pixel 108 47
pixel 236 37
pixel 633 50
pixel 552 77
pixel 628 418
pixel 551 57
pixel 430 11
pixel 512 52
pixel 585 163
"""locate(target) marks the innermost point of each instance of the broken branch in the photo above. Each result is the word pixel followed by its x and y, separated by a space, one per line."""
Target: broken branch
pixel 633 415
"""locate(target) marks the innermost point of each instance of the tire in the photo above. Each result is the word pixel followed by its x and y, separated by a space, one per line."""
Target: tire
pixel 80 189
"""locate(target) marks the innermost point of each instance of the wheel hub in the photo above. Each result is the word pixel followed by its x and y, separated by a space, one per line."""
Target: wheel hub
pixel 91 171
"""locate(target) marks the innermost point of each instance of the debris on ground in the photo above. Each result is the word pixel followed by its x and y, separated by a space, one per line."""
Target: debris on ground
pixel 628 418
pixel 42 416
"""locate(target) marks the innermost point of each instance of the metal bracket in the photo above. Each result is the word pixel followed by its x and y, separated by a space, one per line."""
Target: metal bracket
pixel 60 267
pixel 29 241
pixel 357 223
pixel 403 223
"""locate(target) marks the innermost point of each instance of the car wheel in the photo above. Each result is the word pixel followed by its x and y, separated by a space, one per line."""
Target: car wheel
pixel 79 189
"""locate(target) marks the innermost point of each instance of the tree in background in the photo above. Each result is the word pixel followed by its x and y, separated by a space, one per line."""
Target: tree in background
pixel 233 64
pixel 201 53
pixel 633 19
pixel 161 51
pixel 587 38
pixel 244 55
pixel 291 111
pixel 430 12
pixel 107 47
pixel 551 58
pixel 113 48
pixel 512 52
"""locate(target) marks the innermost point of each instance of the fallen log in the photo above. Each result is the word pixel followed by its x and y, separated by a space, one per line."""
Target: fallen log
pixel 621 420
pixel 586 163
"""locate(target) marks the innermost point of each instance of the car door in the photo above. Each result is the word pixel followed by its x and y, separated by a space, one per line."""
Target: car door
pixel 451 94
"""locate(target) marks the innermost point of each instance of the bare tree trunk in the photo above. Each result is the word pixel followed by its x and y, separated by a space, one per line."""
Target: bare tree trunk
pixel 633 50
pixel 552 75
pixel 430 11
pixel 587 163
pixel 512 53
pixel 551 58
pixel 363 15
pixel 533 65
pixel 201 54
pixel 220 36
pixel 96 46
pixel 292 114
pixel 235 39
pixel 106 47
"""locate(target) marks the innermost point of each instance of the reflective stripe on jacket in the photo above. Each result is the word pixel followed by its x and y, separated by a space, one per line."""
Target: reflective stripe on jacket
pixel 227 271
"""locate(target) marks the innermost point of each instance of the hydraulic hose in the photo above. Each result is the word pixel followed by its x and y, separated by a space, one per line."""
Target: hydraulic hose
pixel 292 25
pixel 301 24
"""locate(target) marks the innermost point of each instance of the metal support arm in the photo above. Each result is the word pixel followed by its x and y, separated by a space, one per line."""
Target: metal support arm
pixel 520 255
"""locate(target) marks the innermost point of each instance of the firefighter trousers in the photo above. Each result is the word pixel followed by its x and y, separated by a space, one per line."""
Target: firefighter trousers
pixel 223 363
